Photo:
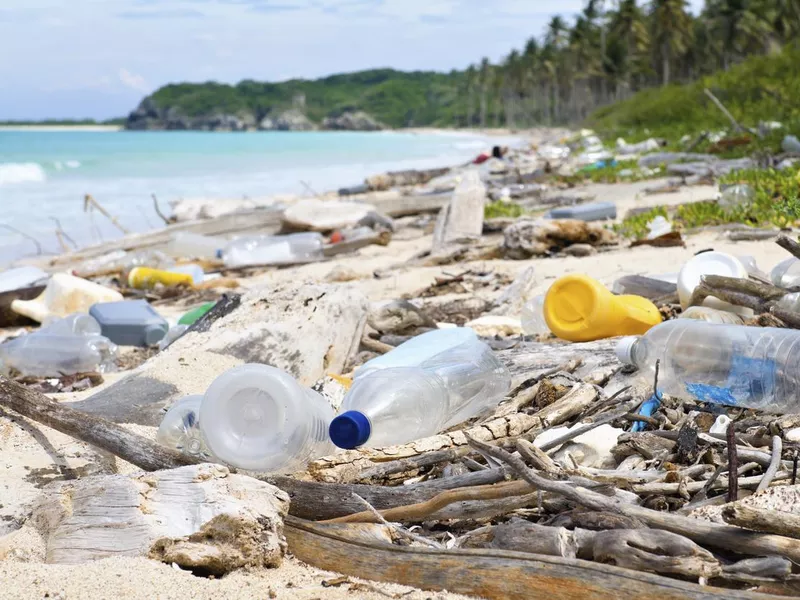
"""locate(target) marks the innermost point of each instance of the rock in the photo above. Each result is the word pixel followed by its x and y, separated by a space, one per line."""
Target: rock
pixel 352 121
pixel 492 325
pixel 580 250
pixel 340 274
pixel 307 330
pixel 528 238
pixel 324 215
pixel 398 316
pixel 199 517
pixel 288 120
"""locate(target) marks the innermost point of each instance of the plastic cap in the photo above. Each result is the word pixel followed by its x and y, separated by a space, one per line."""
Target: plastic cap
pixel 625 349
pixel 154 334
pixel 350 429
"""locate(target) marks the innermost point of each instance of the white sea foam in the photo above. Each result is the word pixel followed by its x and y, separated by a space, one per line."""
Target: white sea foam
pixel 11 173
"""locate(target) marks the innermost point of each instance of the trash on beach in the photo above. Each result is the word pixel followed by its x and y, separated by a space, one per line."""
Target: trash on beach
pixel 528 237
pixel 786 274
pixel 649 287
pixel 791 144
pixel 273 249
pixel 594 211
pixel 173 334
pixel 657 227
pixel 74 324
pixel 432 382
pixel 145 278
pixel 578 308
pixel 712 315
pixel 194 271
pixel 731 365
pixel 591 449
pixel 180 429
pixel 350 234
pixel 259 418
pixel 130 322
pixel 193 315
pixel 710 263
pixel 648 145
pixel 65 294
pixel 21 278
pixel 185 244
pixel 54 354
pixel 736 195
pixel 533 321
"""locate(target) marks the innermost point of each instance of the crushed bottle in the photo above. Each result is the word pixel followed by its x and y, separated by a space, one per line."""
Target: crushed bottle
pixel 42 354
pixel 273 250
pixel 533 321
pixel 414 395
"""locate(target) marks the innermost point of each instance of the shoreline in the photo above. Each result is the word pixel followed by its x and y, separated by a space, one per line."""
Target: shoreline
pixel 55 128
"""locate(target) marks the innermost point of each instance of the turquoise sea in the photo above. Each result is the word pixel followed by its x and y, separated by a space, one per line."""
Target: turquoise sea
pixel 45 174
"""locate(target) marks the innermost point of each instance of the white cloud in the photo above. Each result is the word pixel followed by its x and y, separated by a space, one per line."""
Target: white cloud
pixel 133 81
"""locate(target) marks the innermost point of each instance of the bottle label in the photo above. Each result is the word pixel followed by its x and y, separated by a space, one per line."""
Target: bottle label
pixel 749 380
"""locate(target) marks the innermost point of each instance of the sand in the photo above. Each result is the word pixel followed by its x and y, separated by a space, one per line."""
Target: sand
pixel 31 455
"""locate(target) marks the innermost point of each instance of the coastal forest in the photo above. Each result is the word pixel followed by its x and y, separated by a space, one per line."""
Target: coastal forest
pixel 617 64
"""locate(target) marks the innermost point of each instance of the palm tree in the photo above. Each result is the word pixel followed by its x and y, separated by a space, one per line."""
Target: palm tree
pixel 627 23
pixel 672 32
pixel 737 27
pixel 472 78
pixel 485 75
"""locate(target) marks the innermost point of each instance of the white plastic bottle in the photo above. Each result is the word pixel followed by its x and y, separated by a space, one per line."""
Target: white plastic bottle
pixel 398 404
pixel 185 244
pixel 180 428
pixel 533 322
pixel 42 354
pixel 733 365
pixel 273 249
pixel 259 418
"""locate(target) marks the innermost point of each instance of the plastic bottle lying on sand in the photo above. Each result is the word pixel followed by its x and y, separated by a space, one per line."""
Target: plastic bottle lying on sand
pixel 259 418
pixel 63 296
pixel 180 428
pixel 736 195
pixel 185 244
pixel 193 315
pixel 397 404
pixel 580 309
pixel 74 324
pixel 533 321
pixel 194 271
pixel 640 285
pixel 144 278
pixel 786 274
pixel 130 323
pixel 42 354
pixel 733 365
pixel 273 250
pixel 173 334
pixel 711 315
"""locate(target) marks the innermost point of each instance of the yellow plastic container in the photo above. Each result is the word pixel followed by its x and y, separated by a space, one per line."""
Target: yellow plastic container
pixel 580 309
pixel 143 278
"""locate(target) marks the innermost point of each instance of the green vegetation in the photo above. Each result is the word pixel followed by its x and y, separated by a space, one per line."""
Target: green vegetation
pixel 395 98
pixel 776 203
pixel 498 208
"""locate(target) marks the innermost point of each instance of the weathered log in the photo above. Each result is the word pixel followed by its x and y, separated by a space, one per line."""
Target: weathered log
pixel 488 573
pixel 790 245
pixel 762 519
pixel 94 430
pixel 199 516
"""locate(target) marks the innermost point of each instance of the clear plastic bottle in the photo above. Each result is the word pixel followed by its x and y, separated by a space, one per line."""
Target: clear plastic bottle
pixel 42 354
pixel 180 428
pixel 259 418
pixel 173 334
pixel 736 195
pixel 786 274
pixel 74 324
pixel 185 244
pixel 273 249
pixel 398 404
pixel 711 315
pixel 733 365
pixel 533 322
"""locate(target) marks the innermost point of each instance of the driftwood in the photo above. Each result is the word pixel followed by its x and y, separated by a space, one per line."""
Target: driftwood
pixel 488 573
pixel 712 534
pixel 762 519
pixel 741 292
pixel 790 245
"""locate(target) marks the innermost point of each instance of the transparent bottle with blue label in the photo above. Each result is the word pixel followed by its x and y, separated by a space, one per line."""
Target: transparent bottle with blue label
pixel 732 365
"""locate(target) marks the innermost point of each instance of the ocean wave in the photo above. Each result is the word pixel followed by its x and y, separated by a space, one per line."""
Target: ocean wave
pixel 67 164
pixel 11 173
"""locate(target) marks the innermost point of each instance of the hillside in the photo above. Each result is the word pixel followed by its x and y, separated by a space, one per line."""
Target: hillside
pixel 763 88
pixel 390 98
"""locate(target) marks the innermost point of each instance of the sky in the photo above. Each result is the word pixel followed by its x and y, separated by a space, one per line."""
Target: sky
pixel 99 58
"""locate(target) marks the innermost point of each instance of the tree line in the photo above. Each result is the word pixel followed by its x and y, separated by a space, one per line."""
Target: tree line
pixel 615 48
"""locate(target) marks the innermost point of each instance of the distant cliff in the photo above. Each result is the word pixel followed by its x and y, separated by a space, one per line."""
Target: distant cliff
pixel 363 101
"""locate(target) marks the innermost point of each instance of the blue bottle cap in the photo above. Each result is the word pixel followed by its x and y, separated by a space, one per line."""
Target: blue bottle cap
pixel 350 429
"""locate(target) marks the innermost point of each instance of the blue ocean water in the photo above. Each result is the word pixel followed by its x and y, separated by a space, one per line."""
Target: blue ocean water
pixel 45 174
